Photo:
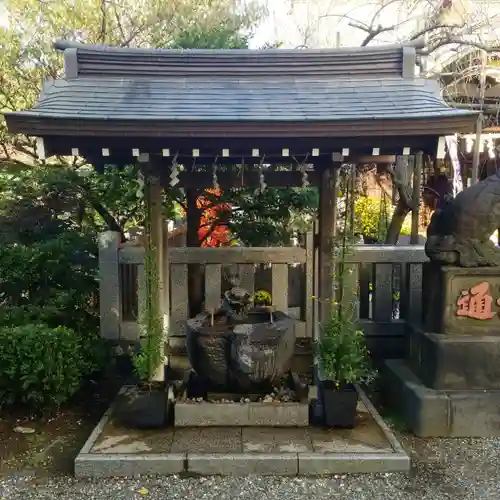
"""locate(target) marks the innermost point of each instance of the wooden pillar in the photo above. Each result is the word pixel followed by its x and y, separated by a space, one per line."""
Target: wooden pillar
pixel 155 240
pixel 166 288
pixel 327 231
pixel 417 187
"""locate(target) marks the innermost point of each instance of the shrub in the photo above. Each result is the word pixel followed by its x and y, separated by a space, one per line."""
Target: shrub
pixel 54 283
pixel 369 217
pixel 371 221
pixel 40 367
pixel 342 351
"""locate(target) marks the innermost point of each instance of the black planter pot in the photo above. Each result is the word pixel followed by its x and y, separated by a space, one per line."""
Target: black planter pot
pixel 144 409
pixel 339 404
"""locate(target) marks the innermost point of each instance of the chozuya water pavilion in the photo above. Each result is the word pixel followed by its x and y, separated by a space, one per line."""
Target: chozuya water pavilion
pixel 241 107
pixel 193 118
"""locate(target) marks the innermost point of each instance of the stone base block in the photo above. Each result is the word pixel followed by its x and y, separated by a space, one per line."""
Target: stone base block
pixel 244 464
pixel 455 362
pixel 276 414
pixel 461 301
pixel 434 413
pixel 93 465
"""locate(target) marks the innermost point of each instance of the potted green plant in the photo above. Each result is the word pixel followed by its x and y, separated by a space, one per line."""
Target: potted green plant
pixel 146 404
pixel 342 361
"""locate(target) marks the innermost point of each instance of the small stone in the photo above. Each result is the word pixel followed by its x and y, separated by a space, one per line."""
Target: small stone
pixel 247 400
pixel 200 400
pixel 24 430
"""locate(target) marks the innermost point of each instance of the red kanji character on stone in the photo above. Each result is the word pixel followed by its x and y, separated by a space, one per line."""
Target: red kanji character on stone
pixel 477 303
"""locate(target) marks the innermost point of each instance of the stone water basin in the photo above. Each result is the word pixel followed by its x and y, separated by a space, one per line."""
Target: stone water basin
pixel 241 355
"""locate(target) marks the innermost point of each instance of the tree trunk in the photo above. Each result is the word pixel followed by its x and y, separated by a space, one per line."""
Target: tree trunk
pixel 397 221
pixel 196 288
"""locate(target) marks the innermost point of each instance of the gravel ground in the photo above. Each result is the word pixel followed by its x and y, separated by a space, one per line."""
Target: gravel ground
pixel 443 469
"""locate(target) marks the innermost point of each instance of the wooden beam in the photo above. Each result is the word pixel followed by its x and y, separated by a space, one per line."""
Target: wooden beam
pixel 230 255
pixel 227 180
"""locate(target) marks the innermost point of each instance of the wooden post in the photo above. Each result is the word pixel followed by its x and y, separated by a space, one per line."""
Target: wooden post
pixel 308 306
pixel 154 193
pixel 109 285
pixel 417 186
pixel 166 279
pixel 327 231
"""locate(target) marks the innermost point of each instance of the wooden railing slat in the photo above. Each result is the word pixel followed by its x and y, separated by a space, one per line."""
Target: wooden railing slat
pixel 213 285
pixel 247 277
pixel 109 283
pixel 179 306
pixel 365 278
pixel 414 287
pixel 279 290
pixel 382 293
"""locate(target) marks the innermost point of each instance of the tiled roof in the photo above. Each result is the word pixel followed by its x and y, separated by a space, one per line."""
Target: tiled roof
pixel 242 99
pixel 110 85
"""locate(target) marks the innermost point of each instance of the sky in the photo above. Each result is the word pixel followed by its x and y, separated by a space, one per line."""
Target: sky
pixel 3 17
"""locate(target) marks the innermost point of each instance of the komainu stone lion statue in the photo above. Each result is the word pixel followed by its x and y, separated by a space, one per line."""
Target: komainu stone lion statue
pixel 459 233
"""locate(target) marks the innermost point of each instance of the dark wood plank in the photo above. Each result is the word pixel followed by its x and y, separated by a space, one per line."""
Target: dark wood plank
pixel 382 292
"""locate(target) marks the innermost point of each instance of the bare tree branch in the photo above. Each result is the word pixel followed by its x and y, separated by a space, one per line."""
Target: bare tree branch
pixel 459 41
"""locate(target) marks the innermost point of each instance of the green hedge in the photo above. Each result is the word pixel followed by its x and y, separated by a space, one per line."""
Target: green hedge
pixel 40 367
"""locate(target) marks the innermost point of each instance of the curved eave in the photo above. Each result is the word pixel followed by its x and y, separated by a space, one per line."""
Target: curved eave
pixel 30 123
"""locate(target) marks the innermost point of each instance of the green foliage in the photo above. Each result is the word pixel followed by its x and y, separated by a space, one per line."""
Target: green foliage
pixel 271 218
pixel 406 227
pixel 342 351
pixel 54 280
pixel 262 297
pixel 372 216
pixel 341 348
pixel 150 357
pixel 147 360
pixel 41 367
pixel 53 283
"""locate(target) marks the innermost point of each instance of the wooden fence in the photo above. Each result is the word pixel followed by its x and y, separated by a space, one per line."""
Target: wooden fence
pixel 387 279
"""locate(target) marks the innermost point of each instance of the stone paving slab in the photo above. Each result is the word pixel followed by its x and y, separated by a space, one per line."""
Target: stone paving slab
pixel 113 450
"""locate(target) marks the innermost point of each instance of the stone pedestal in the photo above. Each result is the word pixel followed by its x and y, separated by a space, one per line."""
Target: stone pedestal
pixel 449 382
pixel 461 301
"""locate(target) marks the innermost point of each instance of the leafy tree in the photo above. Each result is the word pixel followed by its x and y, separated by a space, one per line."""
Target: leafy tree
pixel 452 37
pixel 271 218
pixel 27 59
